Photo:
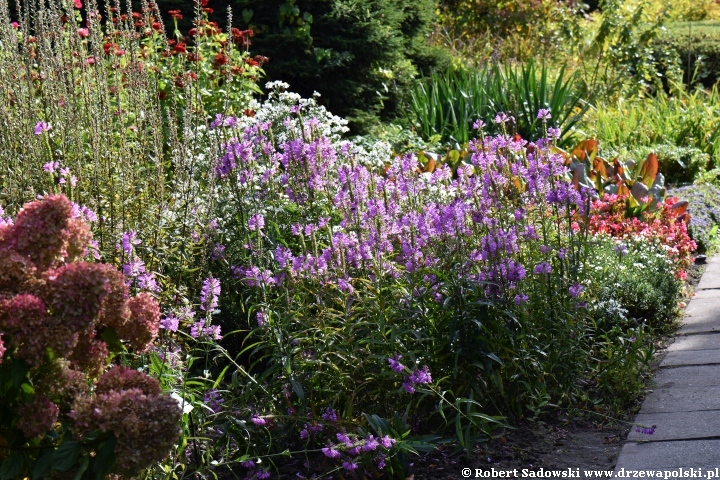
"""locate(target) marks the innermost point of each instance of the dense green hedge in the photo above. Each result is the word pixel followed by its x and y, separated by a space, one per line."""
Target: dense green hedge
pixel 698 48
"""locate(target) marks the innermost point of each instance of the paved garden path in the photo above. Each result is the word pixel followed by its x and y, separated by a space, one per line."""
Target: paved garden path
pixel 684 405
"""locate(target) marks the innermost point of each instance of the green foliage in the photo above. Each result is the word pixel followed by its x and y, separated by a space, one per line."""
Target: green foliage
pixel 509 30
pixel 686 120
pixel 698 49
pixel 680 165
pixel 361 56
pixel 639 276
pixel 621 56
pixel 448 104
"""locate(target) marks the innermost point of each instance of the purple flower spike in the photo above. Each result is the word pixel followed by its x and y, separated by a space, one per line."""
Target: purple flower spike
pixel 209 294
pixel 395 364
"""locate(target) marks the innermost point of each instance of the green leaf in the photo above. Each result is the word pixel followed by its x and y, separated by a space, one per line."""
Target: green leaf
pixel 83 467
pixel 105 458
pixel 66 456
pixel 43 464
pixel 12 466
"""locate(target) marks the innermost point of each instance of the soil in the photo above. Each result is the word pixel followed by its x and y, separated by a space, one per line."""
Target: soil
pixel 560 443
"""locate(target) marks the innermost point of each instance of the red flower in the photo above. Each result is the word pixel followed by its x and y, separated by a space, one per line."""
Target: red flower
pixel 221 59
pixel 78 4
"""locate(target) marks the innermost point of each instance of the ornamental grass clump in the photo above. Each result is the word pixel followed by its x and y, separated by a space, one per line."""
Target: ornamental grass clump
pixel 62 319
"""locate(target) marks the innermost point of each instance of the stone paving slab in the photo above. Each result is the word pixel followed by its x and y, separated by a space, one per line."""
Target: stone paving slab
pixel 691 357
pixel 700 324
pixel 706 301
pixel 695 342
pixel 687 399
pixel 710 279
pixel 692 376
pixel 705 294
pixel 658 455
pixel 677 425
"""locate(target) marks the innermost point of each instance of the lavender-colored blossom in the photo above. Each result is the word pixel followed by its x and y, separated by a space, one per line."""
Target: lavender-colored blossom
pixel 50 167
pixel 543 114
pixel 575 290
pixel 350 465
pixel 478 124
pixel 256 222
pixel 330 452
pixel 371 444
pixel 41 127
pixel 259 421
pixel 395 364
pixel 554 133
pixel 213 399
pixel 542 268
pixel 129 239
pixel 520 298
pixel 209 294
pixel 387 442
pixel 646 430
pixel 170 323
pixel 503 117
pixel 330 415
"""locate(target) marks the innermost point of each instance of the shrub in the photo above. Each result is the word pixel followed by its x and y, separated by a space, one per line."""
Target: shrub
pixel 61 319
pixel 697 48
pixel 360 56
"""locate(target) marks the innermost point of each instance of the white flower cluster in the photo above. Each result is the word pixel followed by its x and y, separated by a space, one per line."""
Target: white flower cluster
pixel 290 116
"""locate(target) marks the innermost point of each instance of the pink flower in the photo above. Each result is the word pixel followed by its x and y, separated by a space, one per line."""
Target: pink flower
pixel 41 127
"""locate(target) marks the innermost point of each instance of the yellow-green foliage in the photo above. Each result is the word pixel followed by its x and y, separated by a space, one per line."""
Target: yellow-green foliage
pixel 687 10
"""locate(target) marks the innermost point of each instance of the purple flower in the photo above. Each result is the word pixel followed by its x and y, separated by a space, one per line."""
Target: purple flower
pixel 575 290
pixel 395 364
pixel 213 399
pixel 42 127
pixel 646 430
pixel 419 376
pixel 478 124
pixel 129 239
pixel 304 434
pixel 209 294
pixel 520 298
pixel 387 442
pixel 543 114
pixel 50 167
pixel 259 421
pixel 554 132
pixel 330 415
pixel 370 444
pixel 263 474
pixel 503 117
pixel 350 465
pixel 542 268
pixel 256 222
pixel 170 323
pixel 330 452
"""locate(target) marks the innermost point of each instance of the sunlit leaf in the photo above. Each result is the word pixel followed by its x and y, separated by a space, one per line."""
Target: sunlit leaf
pixel 649 170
